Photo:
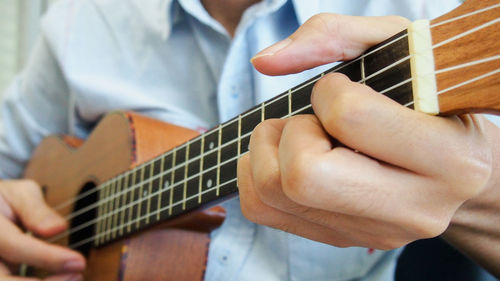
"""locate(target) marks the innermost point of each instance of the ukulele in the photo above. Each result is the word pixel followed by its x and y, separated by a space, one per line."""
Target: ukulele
pixel 137 202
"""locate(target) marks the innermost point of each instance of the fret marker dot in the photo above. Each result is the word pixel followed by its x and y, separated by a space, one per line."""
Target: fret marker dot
pixel 211 145
pixel 166 185
pixel 145 193
pixel 209 183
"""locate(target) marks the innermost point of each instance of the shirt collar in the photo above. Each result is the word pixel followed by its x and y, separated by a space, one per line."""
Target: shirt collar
pixel 166 12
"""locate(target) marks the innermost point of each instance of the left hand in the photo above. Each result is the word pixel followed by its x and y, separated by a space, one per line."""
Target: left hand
pixel 399 176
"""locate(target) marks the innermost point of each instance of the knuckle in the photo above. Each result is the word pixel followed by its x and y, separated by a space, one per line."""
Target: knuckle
pixel 296 177
pixel 474 170
pixel 29 186
pixel 263 128
pixel 268 189
pixel 429 226
pixel 399 20
pixel 343 109
pixel 251 210
pixel 267 183
pixel 326 22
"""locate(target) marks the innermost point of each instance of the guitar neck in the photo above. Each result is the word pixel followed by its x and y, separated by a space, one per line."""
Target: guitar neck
pixel 203 170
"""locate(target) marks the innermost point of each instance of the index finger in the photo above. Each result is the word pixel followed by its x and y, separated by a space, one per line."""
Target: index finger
pixel 369 122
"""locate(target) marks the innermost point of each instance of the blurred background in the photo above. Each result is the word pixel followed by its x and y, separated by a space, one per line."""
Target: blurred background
pixel 19 26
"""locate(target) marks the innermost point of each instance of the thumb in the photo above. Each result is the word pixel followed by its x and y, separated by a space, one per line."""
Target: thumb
pixel 27 204
pixel 326 38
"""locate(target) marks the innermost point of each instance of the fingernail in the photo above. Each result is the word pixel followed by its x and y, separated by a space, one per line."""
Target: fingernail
pixel 273 49
pixel 74 265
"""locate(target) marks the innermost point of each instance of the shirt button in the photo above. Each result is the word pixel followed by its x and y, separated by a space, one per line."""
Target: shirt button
pixel 224 258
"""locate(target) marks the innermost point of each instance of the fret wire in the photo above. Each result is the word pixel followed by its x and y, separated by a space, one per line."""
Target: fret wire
pixel 184 192
pixel 103 203
pixel 172 176
pixel 218 160
pixel 239 136
pixel 99 213
pixel 362 65
pixel 200 181
pixel 262 111
pixel 150 189
pixel 112 208
pixel 130 211
pixel 124 198
pixel 105 209
pixel 117 203
pixel 160 187
pixel 139 195
pixel 108 209
pixel 290 101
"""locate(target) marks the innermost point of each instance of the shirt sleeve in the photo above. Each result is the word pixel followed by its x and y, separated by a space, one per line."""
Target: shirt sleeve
pixel 35 105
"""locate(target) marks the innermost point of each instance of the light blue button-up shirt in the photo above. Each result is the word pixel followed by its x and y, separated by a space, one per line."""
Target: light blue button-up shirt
pixel 170 60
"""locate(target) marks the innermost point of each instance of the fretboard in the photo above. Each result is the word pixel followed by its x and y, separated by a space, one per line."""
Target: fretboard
pixel 203 170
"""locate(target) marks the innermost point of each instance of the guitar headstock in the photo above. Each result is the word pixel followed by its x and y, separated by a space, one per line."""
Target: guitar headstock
pixel 466 49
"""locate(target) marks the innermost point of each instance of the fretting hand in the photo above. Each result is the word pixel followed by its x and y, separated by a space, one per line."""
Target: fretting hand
pixel 399 176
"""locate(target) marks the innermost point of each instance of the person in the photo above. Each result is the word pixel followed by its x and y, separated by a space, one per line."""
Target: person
pixel 186 62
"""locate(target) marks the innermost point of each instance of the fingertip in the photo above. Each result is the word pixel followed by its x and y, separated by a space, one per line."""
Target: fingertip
pixel 50 225
pixel 329 83
pixel 271 65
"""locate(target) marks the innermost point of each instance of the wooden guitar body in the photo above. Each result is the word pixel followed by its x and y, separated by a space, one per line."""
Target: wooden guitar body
pixel 66 167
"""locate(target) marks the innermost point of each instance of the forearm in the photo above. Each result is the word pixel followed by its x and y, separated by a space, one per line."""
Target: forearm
pixel 475 227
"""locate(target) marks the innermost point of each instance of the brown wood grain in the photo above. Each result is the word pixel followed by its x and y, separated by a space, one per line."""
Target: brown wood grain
pixel 482 95
pixel 174 250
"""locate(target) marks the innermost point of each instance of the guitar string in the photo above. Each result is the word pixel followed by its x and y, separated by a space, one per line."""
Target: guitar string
pixel 110 232
pixel 151 195
pixel 91 191
pixel 231 142
pixel 489 8
pixel 314 81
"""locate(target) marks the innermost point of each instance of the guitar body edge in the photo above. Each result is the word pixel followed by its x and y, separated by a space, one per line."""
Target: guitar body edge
pixel 173 250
